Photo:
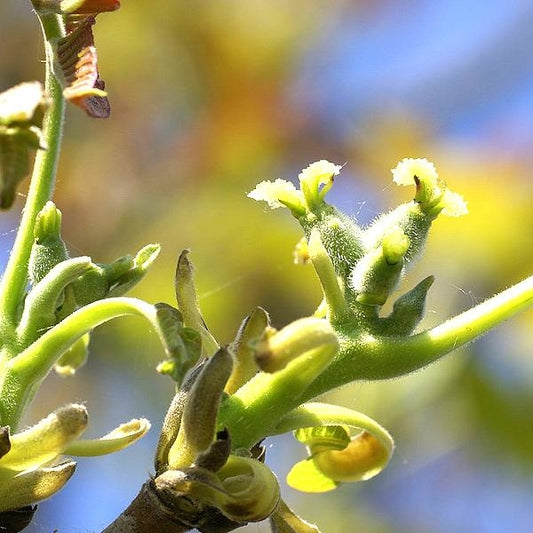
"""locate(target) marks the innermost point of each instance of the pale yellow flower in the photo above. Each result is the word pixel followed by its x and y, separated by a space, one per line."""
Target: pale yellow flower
pixel 406 170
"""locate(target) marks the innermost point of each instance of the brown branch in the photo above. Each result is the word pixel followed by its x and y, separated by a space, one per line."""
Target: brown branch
pixel 146 513
pixel 159 508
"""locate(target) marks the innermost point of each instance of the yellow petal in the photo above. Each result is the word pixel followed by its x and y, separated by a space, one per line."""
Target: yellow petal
pixel 362 459
pixel 277 194
pixel 322 171
pixel 454 204
pixel 405 171
pixel 306 477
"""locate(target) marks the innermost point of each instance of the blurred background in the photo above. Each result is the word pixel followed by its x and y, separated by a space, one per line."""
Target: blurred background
pixel 208 98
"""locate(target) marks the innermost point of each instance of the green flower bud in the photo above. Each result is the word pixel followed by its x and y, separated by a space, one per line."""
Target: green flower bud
pixel 408 218
pixel 125 272
pixel 298 339
pixel 32 486
pixel 119 438
pixel 48 249
pixel 378 272
pixel 340 236
pixel 45 440
pixel 336 458
pixel 188 303
pixel 113 279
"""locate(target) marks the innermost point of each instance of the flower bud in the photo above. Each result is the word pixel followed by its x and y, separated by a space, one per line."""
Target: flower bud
pixel 340 236
pixel 188 303
pixel 46 439
pixel 298 339
pixel 378 272
pixel 32 486
pixel 48 249
pixel 335 458
pixel 252 490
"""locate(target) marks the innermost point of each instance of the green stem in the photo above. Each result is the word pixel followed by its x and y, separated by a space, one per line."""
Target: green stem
pixel 253 412
pixel 370 358
pixel 15 277
pixel 24 373
pixel 38 358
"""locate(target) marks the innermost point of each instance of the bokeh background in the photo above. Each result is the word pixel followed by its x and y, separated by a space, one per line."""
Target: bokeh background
pixel 210 97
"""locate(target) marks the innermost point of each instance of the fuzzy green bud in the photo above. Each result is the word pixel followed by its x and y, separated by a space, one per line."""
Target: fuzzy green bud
pixel 113 279
pixel 90 287
pixel 340 236
pixel 277 349
pixel 378 273
pixel 395 245
pixel 410 219
pixel 48 249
